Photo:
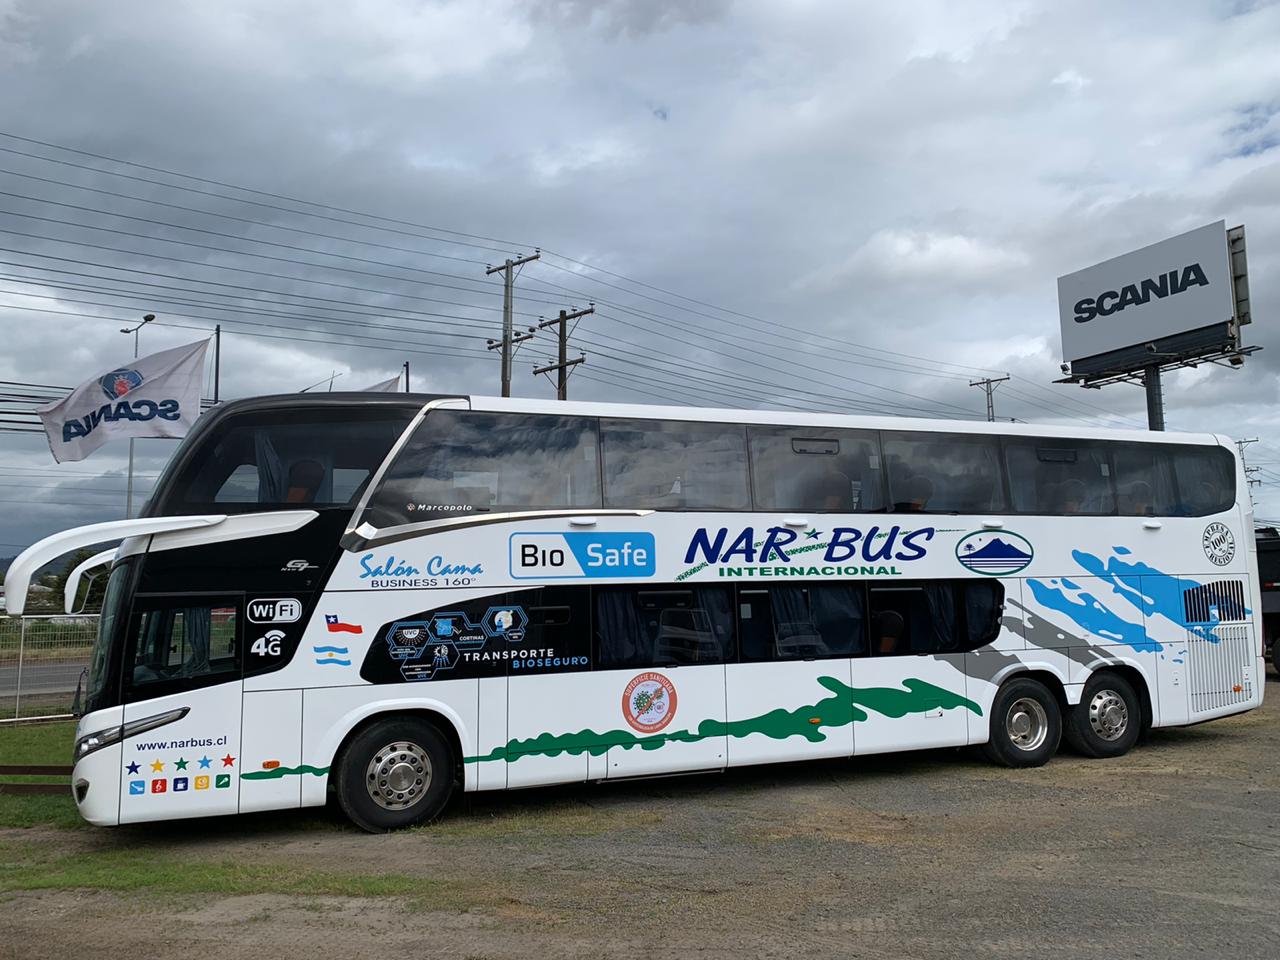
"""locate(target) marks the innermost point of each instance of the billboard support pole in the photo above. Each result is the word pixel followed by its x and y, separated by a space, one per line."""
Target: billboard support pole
pixel 1155 398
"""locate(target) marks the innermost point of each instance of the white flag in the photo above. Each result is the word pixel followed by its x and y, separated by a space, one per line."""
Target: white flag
pixel 386 386
pixel 155 396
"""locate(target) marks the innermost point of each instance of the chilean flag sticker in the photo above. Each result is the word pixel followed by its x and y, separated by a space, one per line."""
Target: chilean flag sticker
pixel 337 626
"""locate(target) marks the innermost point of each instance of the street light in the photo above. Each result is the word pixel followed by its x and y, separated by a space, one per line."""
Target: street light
pixel 128 496
pixel 146 318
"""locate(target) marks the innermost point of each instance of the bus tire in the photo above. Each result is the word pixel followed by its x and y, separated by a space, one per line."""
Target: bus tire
pixel 1026 725
pixel 395 773
pixel 1108 719
pixel 1275 655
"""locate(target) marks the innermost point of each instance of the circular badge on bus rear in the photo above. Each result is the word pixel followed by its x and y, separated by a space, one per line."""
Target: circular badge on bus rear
pixel 649 702
pixel 1219 544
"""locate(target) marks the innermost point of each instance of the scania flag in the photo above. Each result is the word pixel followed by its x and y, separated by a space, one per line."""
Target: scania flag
pixel 386 386
pixel 155 396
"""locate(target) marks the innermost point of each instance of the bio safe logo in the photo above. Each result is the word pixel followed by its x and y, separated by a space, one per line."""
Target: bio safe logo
pixel 119 382
pixel 579 555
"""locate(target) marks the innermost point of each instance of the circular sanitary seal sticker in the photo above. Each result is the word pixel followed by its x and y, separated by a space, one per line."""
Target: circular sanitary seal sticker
pixel 1219 545
pixel 649 702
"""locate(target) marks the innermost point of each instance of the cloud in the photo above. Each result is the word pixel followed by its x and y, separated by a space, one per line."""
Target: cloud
pixel 865 205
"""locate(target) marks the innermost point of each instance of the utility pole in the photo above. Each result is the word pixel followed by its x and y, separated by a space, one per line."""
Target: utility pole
pixel 217 359
pixel 406 376
pixel 562 368
pixel 508 271
pixel 989 387
pixel 128 494
pixel 1248 470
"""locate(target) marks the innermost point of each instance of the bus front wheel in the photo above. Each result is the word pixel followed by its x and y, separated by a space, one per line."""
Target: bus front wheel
pixel 395 773
pixel 1026 725
pixel 1108 719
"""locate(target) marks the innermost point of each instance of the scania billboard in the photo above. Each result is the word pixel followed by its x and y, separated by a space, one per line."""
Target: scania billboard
pixel 1171 287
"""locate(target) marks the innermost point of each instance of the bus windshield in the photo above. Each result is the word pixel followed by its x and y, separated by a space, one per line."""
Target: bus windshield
pixel 282 459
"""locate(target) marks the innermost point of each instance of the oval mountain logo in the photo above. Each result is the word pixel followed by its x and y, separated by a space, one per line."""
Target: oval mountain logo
pixel 996 553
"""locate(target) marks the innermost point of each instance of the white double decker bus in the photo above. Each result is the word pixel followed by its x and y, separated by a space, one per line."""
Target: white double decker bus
pixel 388 598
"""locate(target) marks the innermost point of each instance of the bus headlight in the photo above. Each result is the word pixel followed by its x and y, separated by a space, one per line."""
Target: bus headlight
pixel 92 742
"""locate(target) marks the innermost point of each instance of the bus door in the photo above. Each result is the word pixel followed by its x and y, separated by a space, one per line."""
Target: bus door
pixel 911 690
pixel 664 648
pixel 182 685
pixel 552 718
pixel 632 703
pixel 788 699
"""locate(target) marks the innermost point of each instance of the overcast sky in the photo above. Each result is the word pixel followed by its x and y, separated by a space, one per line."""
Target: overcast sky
pixel 824 182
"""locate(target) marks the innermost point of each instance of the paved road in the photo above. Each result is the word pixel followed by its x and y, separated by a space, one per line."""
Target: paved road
pixel 40 678
pixel 1171 852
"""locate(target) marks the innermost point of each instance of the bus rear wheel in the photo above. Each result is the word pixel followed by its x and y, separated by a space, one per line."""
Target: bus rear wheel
pixel 395 773
pixel 1026 725
pixel 1108 719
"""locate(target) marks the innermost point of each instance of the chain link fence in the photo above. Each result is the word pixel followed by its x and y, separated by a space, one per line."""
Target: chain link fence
pixel 41 658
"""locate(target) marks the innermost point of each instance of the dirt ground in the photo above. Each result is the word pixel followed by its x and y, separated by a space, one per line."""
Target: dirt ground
pixel 1172 851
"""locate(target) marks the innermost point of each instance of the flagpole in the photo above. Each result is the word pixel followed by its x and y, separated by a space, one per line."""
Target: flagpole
pixel 128 495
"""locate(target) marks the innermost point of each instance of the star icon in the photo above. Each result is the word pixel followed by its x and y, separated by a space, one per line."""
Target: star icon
pixel 812 533
pixel 228 760
pixel 156 766
pixel 204 763
pixel 181 764
pixel 133 767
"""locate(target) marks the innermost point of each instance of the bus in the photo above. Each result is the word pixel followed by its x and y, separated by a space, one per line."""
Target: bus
pixel 1268 541
pixel 387 598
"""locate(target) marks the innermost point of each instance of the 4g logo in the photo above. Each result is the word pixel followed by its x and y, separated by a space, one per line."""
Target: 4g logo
pixel 268 645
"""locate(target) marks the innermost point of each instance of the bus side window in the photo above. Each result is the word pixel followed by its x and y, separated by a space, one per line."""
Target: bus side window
pixel 934 616
pixel 1144 480
pixel 646 627
pixel 1058 477
pixel 674 465
pixel 460 462
pixel 943 473
pixel 1206 481
pixel 181 647
pixel 813 469
pixel 983 611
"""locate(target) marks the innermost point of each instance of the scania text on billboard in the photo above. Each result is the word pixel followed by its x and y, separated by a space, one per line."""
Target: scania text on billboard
pixel 1170 287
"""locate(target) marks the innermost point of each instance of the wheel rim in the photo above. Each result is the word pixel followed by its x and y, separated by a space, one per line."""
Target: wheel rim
pixel 398 776
pixel 1108 715
pixel 1026 724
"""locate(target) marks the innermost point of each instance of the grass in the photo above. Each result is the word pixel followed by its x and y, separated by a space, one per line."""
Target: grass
pixel 37 743
pixel 23 866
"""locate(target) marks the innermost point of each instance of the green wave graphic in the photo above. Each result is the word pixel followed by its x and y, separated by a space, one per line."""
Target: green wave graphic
pixel 841 709
pixel 279 773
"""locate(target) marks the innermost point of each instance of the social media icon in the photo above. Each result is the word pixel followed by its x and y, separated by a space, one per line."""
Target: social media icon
pixel 179 784
pixel 159 786
pixel 137 788
pixel 202 783
pixel 223 781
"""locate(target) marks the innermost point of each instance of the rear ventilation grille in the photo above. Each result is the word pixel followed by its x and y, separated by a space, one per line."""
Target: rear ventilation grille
pixel 1219 602
pixel 1220 669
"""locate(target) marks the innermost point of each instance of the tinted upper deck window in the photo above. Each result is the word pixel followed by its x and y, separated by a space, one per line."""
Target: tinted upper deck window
pixel 459 463
pixel 818 470
pixel 665 465
pixel 943 473
pixel 1059 477
pixel 284 459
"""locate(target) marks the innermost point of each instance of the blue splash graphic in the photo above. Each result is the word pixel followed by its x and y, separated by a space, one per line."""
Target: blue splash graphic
pixel 1162 597
pixel 1088 613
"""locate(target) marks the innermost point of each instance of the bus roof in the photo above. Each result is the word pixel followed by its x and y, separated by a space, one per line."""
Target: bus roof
pixel 710 414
